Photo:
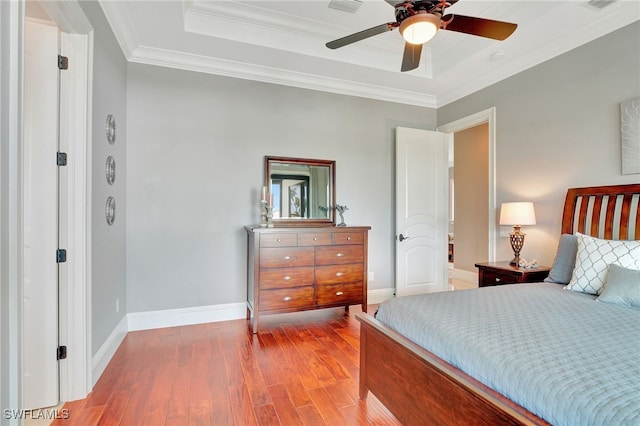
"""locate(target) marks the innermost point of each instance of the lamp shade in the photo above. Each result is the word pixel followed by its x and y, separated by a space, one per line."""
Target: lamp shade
pixel 521 213
pixel 420 28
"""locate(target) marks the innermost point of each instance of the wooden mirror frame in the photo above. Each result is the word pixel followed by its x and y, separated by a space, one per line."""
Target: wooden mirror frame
pixel 330 220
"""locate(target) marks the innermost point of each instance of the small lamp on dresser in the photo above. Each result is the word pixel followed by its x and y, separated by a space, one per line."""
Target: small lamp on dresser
pixel 517 214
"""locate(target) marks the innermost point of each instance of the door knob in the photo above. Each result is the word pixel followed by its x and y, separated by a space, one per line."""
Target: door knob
pixel 402 238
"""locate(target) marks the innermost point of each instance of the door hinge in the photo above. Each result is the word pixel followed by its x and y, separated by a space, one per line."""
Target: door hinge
pixel 61 158
pixel 61 353
pixel 61 256
pixel 63 62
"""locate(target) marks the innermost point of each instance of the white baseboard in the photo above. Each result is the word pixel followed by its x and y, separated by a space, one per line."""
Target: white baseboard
pixel 186 316
pixel 107 350
pixel 379 295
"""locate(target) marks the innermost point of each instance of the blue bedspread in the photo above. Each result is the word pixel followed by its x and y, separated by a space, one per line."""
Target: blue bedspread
pixel 560 354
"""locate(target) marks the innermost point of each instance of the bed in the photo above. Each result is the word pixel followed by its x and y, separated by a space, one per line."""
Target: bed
pixel 590 373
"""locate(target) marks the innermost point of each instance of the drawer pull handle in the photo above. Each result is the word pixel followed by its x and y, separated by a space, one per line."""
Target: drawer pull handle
pixel 497 280
pixel 339 293
pixel 339 254
pixel 279 240
pixel 315 239
pixel 287 257
pixel 339 274
pixel 348 238
pixel 287 277
pixel 286 298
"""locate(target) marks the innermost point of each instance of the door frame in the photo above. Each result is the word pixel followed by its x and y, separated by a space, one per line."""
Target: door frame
pixel 75 376
pixel 486 116
pixel 75 131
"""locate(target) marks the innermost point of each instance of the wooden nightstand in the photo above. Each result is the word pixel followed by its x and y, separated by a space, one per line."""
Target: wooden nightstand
pixel 498 273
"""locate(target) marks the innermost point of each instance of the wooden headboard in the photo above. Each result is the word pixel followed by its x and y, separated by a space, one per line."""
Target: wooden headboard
pixel 608 212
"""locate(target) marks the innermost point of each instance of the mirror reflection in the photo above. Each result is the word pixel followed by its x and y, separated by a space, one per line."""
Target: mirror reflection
pixel 302 189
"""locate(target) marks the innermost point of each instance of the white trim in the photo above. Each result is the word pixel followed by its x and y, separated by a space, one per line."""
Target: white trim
pixel 186 316
pixel 107 350
pixel 205 64
pixel 487 116
pixel 11 245
pixel 379 295
pixel 75 115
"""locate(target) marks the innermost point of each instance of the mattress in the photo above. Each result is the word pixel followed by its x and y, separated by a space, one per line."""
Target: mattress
pixel 560 354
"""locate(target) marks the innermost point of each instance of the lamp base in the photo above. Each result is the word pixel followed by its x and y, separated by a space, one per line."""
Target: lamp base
pixel 517 241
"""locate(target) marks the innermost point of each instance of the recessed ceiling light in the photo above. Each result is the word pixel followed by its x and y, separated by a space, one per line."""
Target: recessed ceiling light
pixel 346 5
pixel 600 4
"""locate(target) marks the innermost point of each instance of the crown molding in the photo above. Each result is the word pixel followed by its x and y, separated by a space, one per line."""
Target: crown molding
pixel 209 65
pixel 118 19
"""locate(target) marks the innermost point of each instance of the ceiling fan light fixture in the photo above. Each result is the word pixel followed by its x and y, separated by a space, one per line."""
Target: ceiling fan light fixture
pixel 420 28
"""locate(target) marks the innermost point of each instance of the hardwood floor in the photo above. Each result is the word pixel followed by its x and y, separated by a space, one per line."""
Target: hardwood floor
pixel 301 369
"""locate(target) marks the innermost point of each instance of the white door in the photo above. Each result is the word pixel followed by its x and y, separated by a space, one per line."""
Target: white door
pixel 40 215
pixel 421 211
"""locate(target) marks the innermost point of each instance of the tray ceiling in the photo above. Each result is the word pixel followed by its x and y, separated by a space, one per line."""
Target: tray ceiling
pixel 283 42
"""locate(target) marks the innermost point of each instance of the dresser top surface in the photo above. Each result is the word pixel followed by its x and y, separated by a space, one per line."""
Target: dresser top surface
pixel 299 229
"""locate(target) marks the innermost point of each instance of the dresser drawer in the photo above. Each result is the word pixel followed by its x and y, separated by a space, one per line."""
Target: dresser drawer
pixel 286 257
pixel 314 239
pixel 279 240
pixel 286 277
pixel 339 293
pixel 334 274
pixel 347 238
pixel 289 298
pixel 335 255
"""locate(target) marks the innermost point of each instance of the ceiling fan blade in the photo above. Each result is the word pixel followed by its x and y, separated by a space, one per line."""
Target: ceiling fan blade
pixel 411 56
pixel 360 35
pixel 482 27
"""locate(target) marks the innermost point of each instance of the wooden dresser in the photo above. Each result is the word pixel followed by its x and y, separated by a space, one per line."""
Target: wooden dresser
pixel 294 269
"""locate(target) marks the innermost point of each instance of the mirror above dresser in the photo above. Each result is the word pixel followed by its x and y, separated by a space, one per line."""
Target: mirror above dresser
pixel 303 190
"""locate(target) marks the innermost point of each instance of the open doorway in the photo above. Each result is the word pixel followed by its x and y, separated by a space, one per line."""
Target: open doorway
pixel 472 189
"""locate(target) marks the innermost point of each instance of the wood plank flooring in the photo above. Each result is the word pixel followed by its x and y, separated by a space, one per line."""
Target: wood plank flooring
pixel 301 369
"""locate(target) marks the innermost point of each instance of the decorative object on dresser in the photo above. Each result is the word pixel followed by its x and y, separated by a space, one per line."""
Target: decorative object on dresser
pixel 341 209
pixel 517 214
pixel 293 269
pixel 266 209
pixel 499 273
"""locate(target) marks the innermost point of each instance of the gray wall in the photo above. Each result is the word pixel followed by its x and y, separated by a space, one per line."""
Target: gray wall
pixel 108 242
pixel 558 126
pixel 195 164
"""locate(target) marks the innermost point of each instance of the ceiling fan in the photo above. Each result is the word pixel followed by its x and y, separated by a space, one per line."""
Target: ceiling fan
pixel 419 20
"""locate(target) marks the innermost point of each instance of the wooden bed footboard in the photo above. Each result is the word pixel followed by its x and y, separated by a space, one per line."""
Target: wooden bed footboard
pixel 421 389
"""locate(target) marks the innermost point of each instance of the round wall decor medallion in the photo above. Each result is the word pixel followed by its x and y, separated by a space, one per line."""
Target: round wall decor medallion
pixel 110 170
pixel 110 210
pixel 111 129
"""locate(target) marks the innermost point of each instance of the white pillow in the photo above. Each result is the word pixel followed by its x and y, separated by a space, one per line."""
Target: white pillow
pixel 594 256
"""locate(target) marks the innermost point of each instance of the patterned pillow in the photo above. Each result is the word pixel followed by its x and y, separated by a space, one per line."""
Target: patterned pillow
pixel 593 257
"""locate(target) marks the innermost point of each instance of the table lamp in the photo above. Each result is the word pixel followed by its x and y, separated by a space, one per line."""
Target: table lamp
pixel 518 215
